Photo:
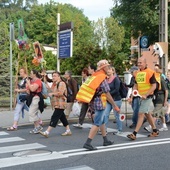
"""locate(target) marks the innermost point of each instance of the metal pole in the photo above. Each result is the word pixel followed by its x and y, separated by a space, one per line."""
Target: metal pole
pixel 58 24
pixel 11 39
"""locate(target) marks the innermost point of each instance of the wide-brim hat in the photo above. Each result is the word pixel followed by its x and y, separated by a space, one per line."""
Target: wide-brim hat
pixel 101 64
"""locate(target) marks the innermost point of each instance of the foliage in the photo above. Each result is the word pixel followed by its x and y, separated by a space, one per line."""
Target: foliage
pixel 141 16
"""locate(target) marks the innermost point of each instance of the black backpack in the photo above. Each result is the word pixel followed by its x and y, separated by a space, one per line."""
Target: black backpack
pixel 123 90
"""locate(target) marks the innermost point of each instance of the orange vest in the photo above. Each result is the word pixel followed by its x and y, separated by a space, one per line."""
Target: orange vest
pixel 88 88
pixel 142 79
pixel 158 79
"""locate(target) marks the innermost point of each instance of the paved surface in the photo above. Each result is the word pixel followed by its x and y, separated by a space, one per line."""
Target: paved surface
pixel 6 116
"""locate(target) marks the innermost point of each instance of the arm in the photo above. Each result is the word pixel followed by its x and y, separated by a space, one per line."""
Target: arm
pixel 32 87
pixel 111 101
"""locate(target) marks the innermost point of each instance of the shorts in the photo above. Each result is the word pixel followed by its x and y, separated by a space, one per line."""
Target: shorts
pixel 146 106
pixel 99 117
pixel 159 111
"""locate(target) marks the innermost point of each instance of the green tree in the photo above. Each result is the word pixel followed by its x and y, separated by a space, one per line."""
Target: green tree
pixel 141 16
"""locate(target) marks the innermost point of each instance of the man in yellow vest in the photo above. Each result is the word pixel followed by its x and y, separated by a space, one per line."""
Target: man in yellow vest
pixel 145 84
pixel 97 84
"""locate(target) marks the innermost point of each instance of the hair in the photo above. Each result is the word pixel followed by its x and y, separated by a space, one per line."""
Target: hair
pixel 157 65
pixel 57 72
pixel 36 73
pixel 85 71
pixel 23 68
pixel 92 66
pixel 69 72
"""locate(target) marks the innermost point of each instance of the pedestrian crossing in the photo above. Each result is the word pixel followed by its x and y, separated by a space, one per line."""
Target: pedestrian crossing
pixel 13 154
pixel 112 130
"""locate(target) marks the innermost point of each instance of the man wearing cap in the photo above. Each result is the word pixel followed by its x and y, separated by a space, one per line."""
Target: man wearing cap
pixel 99 104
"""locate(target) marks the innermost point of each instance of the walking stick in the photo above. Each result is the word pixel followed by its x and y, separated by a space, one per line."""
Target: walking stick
pixel 16 82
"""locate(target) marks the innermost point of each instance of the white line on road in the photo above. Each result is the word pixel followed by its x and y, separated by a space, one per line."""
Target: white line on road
pixel 3 133
pixel 113 146
pixel 15 148
pixel 12 139
pixel 13 161
pixel 118 148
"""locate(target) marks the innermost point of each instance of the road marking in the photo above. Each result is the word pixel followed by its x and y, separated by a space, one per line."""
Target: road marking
pixel 118 148
pixel 111 130
pixel 12 139
pixel 3 133
pixel 117 145
pixel 13 161
pixel 15 148
pixel 83 167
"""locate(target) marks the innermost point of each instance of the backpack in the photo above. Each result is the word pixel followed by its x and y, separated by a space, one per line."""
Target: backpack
pixel 168 86
pixel 69 92
pixel 123 90
pixel 44 90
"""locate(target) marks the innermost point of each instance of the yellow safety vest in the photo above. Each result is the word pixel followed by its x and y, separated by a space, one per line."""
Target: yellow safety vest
pixel 88 88
pixel 142 79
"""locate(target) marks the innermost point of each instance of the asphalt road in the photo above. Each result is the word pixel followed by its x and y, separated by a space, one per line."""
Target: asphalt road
pixel 20 150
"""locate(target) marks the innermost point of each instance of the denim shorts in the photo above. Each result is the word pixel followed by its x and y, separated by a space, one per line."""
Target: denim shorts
pixel 146 106
pixel 99 117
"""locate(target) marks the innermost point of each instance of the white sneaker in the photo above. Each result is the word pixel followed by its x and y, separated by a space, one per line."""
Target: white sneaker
pixel 60 124
pixel 78 126
pixel 163 129
pixel 118 133
pixel 148 128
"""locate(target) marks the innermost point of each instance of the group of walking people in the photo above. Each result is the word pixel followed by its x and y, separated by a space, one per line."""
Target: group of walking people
pixel 98 94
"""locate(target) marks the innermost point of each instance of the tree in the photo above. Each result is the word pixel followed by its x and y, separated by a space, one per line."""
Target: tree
pixel 141 16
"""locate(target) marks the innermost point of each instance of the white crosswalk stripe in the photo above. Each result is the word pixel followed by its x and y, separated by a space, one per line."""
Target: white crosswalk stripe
pixel 111 130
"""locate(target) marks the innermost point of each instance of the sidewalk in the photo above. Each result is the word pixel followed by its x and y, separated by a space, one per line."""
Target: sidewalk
pixel 6 116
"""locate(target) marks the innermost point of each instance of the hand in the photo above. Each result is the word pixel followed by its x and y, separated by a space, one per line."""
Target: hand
pixel 117 109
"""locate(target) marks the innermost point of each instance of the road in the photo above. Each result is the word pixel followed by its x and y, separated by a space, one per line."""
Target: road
pixel 20 150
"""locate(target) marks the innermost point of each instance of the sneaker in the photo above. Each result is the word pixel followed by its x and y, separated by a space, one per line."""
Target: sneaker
pixel 43 134
pixel 131 136
pixel 66 133
pixel 148 129
pixel 78 126
pixel 166 117
pixel 107 143
pixel 36 130
pixel 60 124
pixel 118 133
pixel 154 134
pixel 89 147
pixel 163 129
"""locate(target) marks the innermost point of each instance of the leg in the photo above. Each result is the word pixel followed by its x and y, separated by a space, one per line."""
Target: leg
pixel 107 113
pixel 68 109
pixel 83 111
pixel 135 106
pixel 119 123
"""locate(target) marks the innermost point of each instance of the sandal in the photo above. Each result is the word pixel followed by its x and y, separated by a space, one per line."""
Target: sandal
pixel 131 136
pixel 11 128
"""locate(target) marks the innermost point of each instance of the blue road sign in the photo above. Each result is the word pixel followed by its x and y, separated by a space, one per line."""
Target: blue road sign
pixel 65 44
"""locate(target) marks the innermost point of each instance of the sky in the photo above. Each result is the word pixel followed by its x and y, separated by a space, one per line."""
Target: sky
pixel 93 9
